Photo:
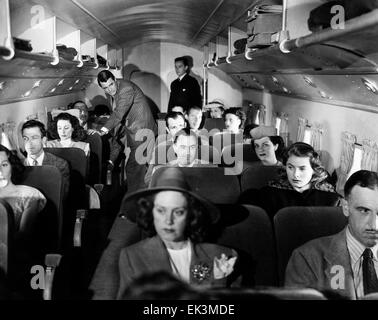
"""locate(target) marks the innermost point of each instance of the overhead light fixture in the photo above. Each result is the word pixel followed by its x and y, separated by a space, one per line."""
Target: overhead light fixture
pixel 309 81
pixel 37 84
pixel 370 85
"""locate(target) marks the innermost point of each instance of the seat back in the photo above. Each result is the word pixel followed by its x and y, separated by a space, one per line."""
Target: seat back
pixel 210 154
pixel 223 139
pixel 237 157
pixel 7 231
pixel 163 153
pixel 249 153
pixel 95 159
pixel 248 230
pixel 48 180
pixel 257 176
pixel 226 188
pixel 295 226
pixel 211 124
pixel 78 168
pixel 105 281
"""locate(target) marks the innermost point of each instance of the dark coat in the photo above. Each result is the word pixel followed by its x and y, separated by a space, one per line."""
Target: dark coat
pixel 272 199
pixel 185 92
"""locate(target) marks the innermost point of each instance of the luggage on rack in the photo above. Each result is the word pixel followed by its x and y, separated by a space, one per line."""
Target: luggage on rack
pixel 264 26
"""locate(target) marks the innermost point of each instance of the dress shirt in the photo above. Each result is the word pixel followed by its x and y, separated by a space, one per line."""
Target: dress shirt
pixel 356 250
pixel 39 159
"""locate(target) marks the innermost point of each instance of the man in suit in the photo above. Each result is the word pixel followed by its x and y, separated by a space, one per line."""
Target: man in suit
pixel 185 91
pixel 182 152
pixel 133 123
pixel 346 262
pixel 34 135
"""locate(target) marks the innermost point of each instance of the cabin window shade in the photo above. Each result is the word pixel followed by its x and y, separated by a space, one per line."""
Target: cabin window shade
pixel 348 141
pixel 307 135
pixel 257 118
pixel 301 128
pixel 357 160
pixel 278 125
pixel 369 159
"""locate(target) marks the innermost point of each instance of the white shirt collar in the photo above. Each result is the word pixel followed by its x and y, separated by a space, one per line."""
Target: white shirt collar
pixel 180 78
pixel 39 159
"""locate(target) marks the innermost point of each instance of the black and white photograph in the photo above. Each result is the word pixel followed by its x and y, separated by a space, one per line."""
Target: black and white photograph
pixel 193 158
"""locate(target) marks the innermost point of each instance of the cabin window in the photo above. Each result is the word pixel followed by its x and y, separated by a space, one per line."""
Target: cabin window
pixel 357 158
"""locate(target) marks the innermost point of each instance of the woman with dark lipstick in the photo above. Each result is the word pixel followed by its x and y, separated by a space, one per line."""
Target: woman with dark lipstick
pixel 302 183
pixel 176 221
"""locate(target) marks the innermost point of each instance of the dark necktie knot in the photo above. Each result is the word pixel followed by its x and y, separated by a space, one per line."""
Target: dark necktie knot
pixel 368 272
pixel 368 254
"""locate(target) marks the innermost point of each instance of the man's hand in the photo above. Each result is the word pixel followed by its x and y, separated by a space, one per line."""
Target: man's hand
pixel 93 131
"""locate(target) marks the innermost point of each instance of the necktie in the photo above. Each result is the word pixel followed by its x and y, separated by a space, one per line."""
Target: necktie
pixel 35 162
pixel 368 272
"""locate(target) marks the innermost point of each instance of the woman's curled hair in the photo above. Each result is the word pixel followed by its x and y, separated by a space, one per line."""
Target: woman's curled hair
pixel 16 164
pixel 197 223
pixel 301 149
pixel 78 133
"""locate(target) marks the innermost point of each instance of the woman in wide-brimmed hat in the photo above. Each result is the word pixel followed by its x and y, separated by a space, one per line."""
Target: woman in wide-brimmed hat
pixel 268 146
pixel 176 220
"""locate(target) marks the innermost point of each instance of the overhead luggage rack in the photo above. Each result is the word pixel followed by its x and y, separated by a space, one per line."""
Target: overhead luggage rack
pixel 47 57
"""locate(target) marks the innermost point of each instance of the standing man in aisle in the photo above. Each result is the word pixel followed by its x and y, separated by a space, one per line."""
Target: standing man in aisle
pixel 185 90
pixel 130 114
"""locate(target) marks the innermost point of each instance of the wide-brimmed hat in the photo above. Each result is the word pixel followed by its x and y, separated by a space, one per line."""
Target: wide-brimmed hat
pixel 215 104
pixel 167 179
pixel 263 131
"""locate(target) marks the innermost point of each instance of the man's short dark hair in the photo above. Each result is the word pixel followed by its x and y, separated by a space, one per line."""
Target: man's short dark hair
pixel 101 109
pixel 104 76
pixel 33 124
pixel 194 107
pixel 173 115
pixel 184 60
pixel 186 132
pixel 362 178
pixel 76 102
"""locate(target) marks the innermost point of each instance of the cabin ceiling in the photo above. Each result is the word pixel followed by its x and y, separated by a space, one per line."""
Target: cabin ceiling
pixel 128 23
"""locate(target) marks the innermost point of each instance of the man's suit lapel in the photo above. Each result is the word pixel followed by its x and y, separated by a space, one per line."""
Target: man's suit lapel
pixel 338 260
pixel 47 159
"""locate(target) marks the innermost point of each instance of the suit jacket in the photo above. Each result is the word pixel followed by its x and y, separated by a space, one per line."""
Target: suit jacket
pixel 185 92
pixel 131 112
pixel 320 263
pixel 52 160
pixel 151 255
pixel 272 199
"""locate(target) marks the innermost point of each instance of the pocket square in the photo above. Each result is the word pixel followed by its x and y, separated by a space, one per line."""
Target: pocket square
pixel 223 266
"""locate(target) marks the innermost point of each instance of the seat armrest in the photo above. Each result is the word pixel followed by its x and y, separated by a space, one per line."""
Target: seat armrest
pixel 81 214
pixel 52 261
